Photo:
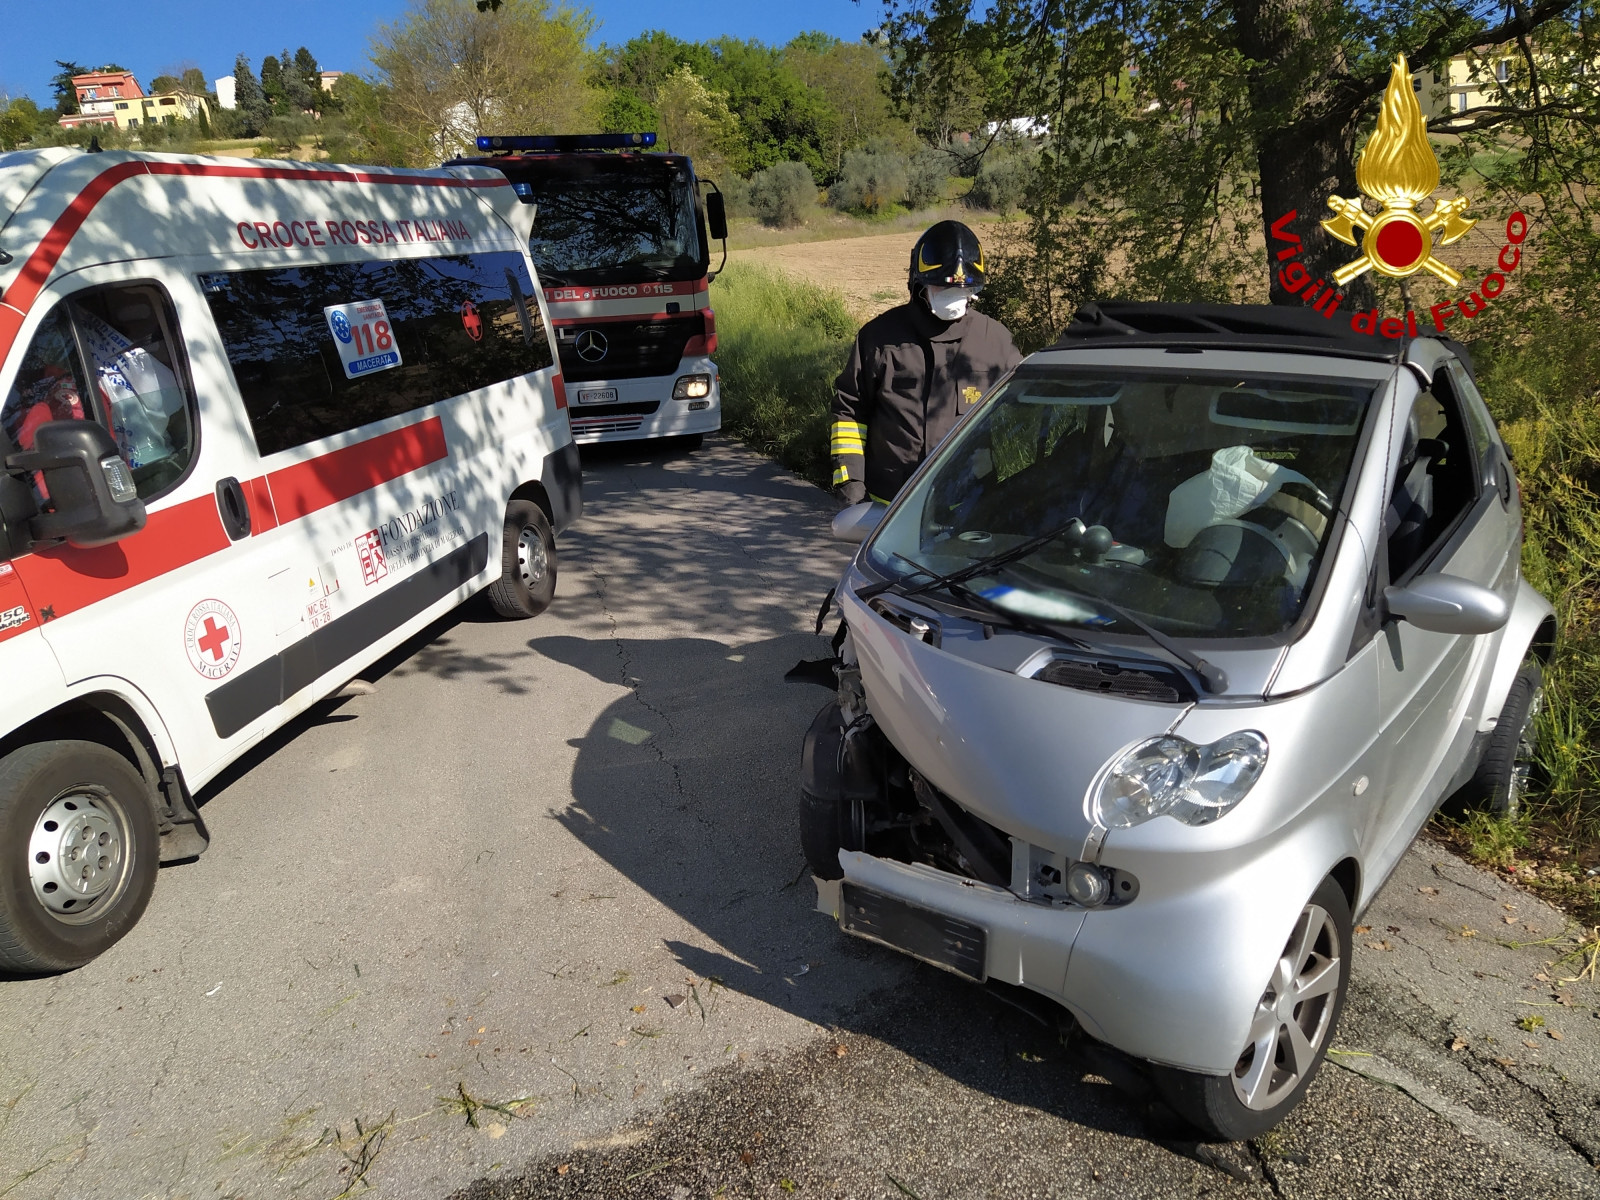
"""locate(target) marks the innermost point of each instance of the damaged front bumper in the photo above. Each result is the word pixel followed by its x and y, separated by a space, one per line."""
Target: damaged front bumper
pixel 974 929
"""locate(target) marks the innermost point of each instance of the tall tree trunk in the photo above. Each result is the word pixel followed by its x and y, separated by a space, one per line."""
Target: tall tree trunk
pixel 1306 149
pixel 1300 167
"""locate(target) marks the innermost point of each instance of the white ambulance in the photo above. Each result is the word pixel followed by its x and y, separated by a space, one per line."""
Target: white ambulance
pixel 259 423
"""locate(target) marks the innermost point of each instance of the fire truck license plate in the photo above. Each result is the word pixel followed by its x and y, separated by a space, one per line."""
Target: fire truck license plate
pixel 597 396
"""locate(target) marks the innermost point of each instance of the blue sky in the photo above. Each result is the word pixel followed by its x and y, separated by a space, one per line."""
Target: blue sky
pixel 149 37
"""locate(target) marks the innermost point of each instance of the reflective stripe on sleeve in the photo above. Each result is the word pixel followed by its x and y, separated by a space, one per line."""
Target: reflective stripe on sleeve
pixel 849 437
pixel 840 475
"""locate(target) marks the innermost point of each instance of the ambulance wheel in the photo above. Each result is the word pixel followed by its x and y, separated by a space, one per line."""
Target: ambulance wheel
pixel 78 854
pixel 527 580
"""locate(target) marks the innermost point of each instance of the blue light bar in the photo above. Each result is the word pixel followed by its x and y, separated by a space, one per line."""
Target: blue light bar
pixel 568 142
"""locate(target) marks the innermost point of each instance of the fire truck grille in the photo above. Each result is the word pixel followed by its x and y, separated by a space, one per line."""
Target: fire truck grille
pixel 596 419
pixel 625 349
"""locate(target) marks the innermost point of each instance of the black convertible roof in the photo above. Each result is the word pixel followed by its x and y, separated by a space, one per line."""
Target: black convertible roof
pixel 1268 327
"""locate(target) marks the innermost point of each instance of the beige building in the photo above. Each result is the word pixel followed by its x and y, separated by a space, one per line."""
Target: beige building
pixel 164 109
pixel 1468 82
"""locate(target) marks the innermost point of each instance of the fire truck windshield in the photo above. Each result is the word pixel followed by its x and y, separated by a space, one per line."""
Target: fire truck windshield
pixel 614 220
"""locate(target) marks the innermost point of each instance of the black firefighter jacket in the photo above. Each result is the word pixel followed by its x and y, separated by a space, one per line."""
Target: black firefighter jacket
pixel 909 378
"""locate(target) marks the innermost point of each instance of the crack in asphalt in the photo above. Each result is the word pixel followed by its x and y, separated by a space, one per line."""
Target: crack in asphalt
pixel 1556 1118
pixel 1495 896
pixel 1507 1141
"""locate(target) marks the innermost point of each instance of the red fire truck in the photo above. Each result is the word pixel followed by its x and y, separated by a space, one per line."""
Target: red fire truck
pixel 620 240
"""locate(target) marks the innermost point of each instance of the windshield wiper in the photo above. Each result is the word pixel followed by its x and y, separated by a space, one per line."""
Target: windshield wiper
pixel 961 591
pixel 1211 676
pixel 980 566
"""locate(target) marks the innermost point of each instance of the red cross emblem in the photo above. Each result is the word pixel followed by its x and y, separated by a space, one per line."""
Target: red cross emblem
pixel 471 321
pixel 211 638
pixel 215 639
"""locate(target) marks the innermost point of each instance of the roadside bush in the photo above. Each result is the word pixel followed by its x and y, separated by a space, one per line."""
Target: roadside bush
pixel 1002 182
pixel 736 196
pixel 928 177
pixel 1544 397
pixel 869 181
pixel 781 343
pixel 783 194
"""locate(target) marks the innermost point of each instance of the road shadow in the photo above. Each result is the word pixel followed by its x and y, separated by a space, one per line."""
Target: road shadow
pixel 688 785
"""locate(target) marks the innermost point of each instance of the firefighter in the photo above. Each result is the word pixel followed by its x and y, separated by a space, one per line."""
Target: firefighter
pixel 916 369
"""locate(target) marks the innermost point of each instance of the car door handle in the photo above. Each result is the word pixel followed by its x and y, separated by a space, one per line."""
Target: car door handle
pixel 233 509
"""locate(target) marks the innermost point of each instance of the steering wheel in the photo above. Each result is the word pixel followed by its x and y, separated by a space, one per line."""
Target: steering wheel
pixel 1318 499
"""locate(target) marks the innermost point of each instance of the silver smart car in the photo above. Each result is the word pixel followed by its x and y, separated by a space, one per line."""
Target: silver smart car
pixel 1157 666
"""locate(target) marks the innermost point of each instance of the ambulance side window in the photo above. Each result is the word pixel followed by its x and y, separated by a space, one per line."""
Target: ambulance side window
pixel 321 350
pixel 111 354
pixel 51 385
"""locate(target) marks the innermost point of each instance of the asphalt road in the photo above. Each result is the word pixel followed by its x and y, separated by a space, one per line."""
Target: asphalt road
pixel 530 920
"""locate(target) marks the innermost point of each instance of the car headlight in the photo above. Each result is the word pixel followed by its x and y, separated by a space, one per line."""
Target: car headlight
pixel 1171 776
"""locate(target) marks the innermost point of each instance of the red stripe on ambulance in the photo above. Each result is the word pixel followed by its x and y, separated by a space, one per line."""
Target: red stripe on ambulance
pixel 302 489
pixel 64 579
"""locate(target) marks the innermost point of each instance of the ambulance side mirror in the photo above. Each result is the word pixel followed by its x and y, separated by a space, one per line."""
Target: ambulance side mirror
pixel 91 494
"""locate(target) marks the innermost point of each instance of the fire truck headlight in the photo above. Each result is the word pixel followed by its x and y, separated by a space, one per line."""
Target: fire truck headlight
pixel 691 387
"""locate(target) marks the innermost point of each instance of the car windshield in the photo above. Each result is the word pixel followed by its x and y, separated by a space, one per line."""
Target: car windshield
pixel 615 222
pixel 1198 503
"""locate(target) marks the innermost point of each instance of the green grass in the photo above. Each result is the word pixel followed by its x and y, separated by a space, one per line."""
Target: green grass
pixel 781 342
pixel 1544 397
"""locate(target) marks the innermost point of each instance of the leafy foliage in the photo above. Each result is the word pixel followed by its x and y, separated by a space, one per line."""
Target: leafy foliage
pixel 782 194
pixel 871 180
pixel 782 342
pixel 928 177
pixel 452 73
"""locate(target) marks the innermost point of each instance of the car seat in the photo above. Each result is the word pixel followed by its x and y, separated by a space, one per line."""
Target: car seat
pixel 1411 504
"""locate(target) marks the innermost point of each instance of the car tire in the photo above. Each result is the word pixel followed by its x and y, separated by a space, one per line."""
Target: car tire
pixel 79 851
pixel 527 582
pixel 1507 766
pixel 829 820
pixel 1274 1070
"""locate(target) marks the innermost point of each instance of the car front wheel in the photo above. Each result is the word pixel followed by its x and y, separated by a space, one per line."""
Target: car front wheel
pixel 1289 1033
pixel 78 854
pixel 1509 760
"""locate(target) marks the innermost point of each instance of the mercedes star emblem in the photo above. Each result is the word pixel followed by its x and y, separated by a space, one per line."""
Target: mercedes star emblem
pixel 592 345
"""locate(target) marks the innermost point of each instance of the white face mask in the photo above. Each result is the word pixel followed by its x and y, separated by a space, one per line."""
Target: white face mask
pixel 950 303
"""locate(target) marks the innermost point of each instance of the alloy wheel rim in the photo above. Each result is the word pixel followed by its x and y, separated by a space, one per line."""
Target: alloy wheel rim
pixel 532 561
pixel 80 855
pixel 1294 1015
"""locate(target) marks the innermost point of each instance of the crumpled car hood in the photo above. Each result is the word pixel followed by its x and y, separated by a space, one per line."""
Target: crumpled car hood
pixel 1020 753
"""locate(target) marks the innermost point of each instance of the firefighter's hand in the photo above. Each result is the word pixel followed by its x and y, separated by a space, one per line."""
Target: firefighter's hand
pixel 852 491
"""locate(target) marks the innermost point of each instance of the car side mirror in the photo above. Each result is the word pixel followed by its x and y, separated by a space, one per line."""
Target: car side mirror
pixel 853 524
pixel 92 497
pixel 1447 604
pixel 716 217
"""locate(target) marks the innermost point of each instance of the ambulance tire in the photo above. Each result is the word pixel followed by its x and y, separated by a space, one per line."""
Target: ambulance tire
pixel 527 580
pixel 97 793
